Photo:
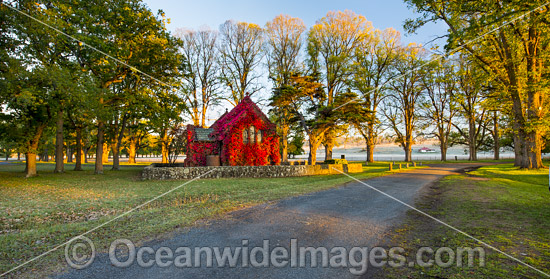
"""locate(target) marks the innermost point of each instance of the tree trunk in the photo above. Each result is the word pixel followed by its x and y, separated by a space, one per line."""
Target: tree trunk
pixel 443 149
pixel 329 145
pixel 534 150
pixel 204 108
pixel 7 154
pixel 99 149
pixel 164 152
pixel 535 98
pixel 473 152
pixel 45 155
pixel 370 141
pixel 164 146
pixel 118 143
pixel 518 153
pixel 69 154
pixel 18 156
pixel 106 150
pixel 32 147
pixel 284 143
pixel 328 151
pixel 132 151
pixel 116 157
pixel 472 140
pixel 86 150
pixel 370 151
pixel 496 135
pixel 31 164
pixel 408 151
pixel 78 164
pixel 313 146
pixel 59 167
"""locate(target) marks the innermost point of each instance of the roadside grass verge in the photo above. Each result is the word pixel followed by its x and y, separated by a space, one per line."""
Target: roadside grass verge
pixel 452 161
pixel 504 206
pixel 37 214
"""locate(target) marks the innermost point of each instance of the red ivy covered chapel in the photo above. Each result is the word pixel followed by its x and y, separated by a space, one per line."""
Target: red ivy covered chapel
pixel 243 136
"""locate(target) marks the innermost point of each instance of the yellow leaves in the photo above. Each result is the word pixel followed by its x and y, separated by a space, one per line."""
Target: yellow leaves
pixel 285 26
pixel 341 30
pixel 103 61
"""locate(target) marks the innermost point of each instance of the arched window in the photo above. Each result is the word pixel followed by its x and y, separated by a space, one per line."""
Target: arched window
pixel 259 136
pixel 245 135
pixel 252 134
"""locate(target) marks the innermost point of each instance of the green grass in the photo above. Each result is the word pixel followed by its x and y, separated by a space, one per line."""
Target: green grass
pixel 504 206
pixel 36 214
pixel 452 161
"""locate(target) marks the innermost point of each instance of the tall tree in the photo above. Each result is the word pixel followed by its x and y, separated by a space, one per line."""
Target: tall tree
pixel 284 41
pixel 337 35
pixel 305 97
pixel 136 39
pixel 401 104
pixel 36 64
pixel 471 101
pixel 26 101
pixel 165 112
pixel 515 54
pixel 439 107
pixel 372 63
pixel 241 52
pixel 202 72
pixel 137 132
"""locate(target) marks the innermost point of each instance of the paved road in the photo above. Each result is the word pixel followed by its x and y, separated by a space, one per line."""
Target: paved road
pixel 353 215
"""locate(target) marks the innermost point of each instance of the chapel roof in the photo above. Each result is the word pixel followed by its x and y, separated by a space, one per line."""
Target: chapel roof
pixel 238 113
pixel 203 134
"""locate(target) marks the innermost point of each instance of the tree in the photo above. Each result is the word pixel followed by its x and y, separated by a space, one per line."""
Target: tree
pixel 336 36
pixel 79 113
pixel 439 107
pixel 515 55
pixel 132 35
pixel 284 40
pixel 136 138
pixel 241 53
pixel 401 104
pixel 201 72
pixel 27 108
pixel 44 51
pixel 178 143
pixel 52 50
pixel 305 96
pixel 470 99
pixel 165 112
pixel 296 144
pixel 372 63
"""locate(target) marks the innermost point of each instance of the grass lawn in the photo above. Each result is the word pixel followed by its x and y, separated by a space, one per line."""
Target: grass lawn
pixel 501 205
pixel 37 214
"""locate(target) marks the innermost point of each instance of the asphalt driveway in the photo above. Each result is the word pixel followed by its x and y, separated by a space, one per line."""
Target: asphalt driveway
pixel 352 215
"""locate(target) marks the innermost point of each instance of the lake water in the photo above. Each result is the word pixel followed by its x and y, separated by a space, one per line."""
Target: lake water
pixel 396 153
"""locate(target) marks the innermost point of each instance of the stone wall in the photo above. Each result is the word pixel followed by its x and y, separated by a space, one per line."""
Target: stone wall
pixel 157 171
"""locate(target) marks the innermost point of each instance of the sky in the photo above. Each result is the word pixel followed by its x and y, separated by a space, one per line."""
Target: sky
pixel 212 13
